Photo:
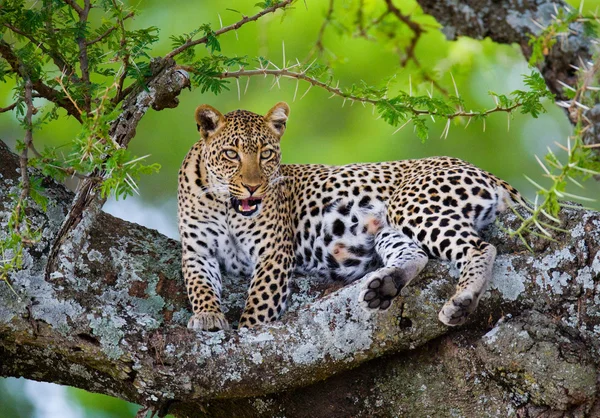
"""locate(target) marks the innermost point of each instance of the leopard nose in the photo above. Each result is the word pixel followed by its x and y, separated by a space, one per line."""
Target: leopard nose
pixel 252 188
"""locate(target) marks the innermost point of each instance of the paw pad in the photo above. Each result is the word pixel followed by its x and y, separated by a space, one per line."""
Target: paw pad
pixel 383 286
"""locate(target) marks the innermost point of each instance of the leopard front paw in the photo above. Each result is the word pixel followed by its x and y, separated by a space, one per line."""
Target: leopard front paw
pixel 381 287
pixel 208 321
pixel 457 309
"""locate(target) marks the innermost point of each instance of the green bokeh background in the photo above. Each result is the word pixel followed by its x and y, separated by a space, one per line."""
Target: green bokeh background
pixel 320 130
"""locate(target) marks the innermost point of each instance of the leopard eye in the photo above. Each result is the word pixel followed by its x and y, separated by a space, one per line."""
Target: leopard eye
pixel 266 154
pixel 231 154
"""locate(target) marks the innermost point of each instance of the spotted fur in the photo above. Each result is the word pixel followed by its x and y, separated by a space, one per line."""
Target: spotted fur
pixel 240 210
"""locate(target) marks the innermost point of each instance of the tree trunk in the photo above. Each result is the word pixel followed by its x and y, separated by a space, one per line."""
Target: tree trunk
pixel 112 320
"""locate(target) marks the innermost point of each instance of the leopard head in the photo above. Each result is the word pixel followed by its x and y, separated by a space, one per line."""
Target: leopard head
pixel 241 153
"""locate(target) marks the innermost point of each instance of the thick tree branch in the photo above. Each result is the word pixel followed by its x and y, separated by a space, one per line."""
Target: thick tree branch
pixel 112 317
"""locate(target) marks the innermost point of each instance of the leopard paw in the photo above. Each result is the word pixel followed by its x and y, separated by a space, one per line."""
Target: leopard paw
pixel 381 288
pixel 457 309
pixel 208 321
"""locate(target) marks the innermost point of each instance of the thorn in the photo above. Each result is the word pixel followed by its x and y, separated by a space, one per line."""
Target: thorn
pixel 283 52
pixel 307 90
pixel 237 81
pixel 247 84
pixel 581 105
pixel 565 85
pixel 400 128
pixel 307 68
pixel 483 124
pixel 468 122
pixel 508 119
pixel 534 183
pixel 538 24
pixel 446 130
pixel 296 89
pixel 220 20
pixel 542 165
pixel 455 86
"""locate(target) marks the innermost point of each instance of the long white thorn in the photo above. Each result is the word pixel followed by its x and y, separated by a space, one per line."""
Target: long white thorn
pixel 306 92
pixel 446 130
pixel 283 52
pixel 247 84
pixel 296 89
pixel 565 85
pixel 468 122
pixel 403 125
pixel 543 166
pixel 534 183
pixel 237 82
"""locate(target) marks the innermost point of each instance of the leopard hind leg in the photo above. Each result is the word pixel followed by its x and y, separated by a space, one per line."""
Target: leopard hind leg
pixel 402 261
pixel 475 267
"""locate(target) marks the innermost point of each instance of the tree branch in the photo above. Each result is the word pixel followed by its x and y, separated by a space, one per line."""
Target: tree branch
pixel 229 28
pixel 111 319
pixel 161 92
pixel 512 21
pixel 42 89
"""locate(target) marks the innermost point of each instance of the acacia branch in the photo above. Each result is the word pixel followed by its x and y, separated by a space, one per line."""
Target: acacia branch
pixel 110 30
pixel 190 43
pixel 54 55
pixel 42 89
pixel 9 107
pixel 336 91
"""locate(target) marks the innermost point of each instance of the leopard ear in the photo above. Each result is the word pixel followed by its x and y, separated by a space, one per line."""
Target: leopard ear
pixel 276 118
pixel 208 120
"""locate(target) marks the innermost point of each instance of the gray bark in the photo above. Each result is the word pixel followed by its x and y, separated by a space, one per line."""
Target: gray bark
pixel 112 320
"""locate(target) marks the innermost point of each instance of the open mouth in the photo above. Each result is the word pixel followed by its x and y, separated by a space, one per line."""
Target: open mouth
pixel 246 207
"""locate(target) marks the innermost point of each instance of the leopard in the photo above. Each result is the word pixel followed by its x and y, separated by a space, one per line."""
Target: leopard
pixel 242 212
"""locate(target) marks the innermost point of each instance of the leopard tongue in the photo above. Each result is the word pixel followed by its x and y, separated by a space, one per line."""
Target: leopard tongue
pixel 246 205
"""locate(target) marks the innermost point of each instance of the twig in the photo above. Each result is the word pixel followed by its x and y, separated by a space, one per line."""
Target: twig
pixel 190 43
pixel 53 54
pixel 318 47
pixel 59 81
pixel 23 158
pixel 110 30
pixel 126 56
pixel 42 89
pixel 8 108
pixel 83 55
pixel 75 6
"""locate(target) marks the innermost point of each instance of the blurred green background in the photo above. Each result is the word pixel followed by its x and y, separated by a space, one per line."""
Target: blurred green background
pixel 320 130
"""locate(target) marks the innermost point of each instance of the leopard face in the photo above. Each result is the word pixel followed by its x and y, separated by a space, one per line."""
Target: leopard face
pixel 242 153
